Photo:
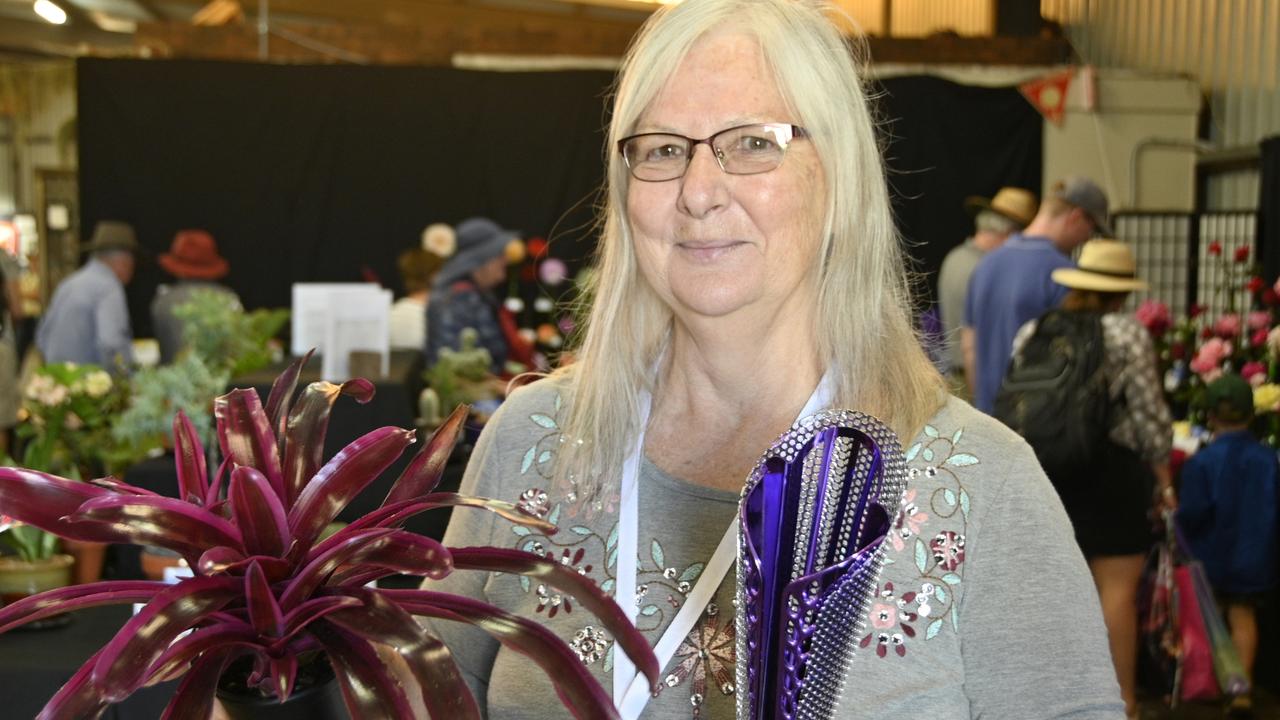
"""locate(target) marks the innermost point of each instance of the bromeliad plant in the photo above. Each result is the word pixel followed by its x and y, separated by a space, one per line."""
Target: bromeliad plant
pixel 266 588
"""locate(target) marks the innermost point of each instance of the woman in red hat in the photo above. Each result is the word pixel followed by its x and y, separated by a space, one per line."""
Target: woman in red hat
pixel 194 260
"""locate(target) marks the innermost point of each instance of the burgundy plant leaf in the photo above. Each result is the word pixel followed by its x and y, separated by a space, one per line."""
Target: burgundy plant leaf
pixel 165 522
pixel 367 685
pixel 306 429
pixel 259 513
pixel 75 597
pixel 213 495
pixel 577 688
pixel 245 435
pixel 342 478
pixel 396 514
pixel 194 697
pixel 125 661
pixel 284 671
pixel 110 483
pixel 444 692
pixel 78 698
pixel 175 661
pixel 308 612
pixel 406 553
pixel 402 551
pixel 569 581
pixel 280 398
pixel 264 611
pixel 193 475
pixel 229 561
pixel 426 468
pixel 43 500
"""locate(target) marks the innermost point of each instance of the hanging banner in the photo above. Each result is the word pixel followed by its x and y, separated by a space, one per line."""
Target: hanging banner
pixel 1048 94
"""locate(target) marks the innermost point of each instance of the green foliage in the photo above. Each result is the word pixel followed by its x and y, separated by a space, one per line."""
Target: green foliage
pixel 229 340
pixel 29 543
pixel 69 410
pixel 158 394
pixel 460 377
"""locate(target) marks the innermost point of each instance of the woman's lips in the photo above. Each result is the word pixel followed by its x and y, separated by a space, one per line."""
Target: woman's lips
pixel 709 251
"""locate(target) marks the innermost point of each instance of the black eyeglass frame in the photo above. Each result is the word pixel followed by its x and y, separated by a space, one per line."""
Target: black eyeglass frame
pixel 796 132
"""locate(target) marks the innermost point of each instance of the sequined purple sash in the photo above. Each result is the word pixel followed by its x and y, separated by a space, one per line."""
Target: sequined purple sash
pixel 814 515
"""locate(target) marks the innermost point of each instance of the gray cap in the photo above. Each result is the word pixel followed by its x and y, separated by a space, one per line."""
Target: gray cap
pixel 112 235
pixel 1086 195
pixel 479 241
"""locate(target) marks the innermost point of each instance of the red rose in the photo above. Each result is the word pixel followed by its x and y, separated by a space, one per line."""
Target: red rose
pixel 1215 248
pixel 537 247
pixel 1255 284
pixel 1242 253
pixel 1206 333
pixel 529 273
pixel 1259 337
pixel 1269 297
pixel 1196 310
pixel 1177 351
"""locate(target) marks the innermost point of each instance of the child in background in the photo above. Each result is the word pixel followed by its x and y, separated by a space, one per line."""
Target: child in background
pixel 1227 509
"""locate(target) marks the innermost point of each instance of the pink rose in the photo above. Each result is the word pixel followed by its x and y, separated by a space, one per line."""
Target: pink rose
pixel 1227 326
pixel 1254 370
pixel 1259 319
pixel 1259 337
pixel 1154 316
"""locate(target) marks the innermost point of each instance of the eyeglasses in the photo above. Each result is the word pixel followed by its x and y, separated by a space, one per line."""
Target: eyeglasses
pixel 742 150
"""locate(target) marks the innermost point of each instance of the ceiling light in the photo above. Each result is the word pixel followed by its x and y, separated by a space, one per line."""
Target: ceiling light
pixel 50 11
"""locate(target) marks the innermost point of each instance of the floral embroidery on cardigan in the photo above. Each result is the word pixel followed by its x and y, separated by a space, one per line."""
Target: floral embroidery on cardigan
pixel 929 533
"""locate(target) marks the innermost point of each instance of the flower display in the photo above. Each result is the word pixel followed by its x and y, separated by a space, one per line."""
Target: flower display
pixel 1242 338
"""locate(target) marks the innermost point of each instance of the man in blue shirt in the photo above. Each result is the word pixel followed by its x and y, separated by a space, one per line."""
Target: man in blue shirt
pixel 88 318
pixel 1011 284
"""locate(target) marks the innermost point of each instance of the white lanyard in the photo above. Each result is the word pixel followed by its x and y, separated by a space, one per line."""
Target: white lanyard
pixel 630 690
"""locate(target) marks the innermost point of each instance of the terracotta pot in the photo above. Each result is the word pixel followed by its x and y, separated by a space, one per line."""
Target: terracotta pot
pixel 89 559
pixel 154 561
pixel 20 579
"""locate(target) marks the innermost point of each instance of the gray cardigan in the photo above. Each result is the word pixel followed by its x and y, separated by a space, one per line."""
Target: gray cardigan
pixel 985 608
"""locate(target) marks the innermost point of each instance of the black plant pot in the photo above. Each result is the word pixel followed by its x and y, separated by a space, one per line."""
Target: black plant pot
pixel 317 697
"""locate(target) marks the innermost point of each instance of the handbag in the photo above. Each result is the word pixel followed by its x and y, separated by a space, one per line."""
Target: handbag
pixel 1182 620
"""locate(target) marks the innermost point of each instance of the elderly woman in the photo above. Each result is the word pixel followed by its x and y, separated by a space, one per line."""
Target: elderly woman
pixel 749 272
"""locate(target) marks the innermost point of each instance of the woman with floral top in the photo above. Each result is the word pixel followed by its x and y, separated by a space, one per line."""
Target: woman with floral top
pixel 747 258
pixel 1108 506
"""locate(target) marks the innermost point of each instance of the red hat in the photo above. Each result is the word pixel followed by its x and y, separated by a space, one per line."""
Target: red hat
pixel 194 256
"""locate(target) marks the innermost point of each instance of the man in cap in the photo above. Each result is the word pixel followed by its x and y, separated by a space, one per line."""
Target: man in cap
pixel 994 220
pixel 1012 284
pixel 88 318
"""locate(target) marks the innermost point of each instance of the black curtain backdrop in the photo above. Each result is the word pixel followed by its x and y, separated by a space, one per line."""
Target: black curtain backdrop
pixel 1269 209
pixel 945 142
pixel 315 173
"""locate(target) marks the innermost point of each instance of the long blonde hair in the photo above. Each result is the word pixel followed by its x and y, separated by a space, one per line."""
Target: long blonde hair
pixel 864 326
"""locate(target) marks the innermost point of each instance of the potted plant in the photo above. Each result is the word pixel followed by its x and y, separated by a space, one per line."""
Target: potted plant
pixel 34 566
pixel 68 409
pixel 269 604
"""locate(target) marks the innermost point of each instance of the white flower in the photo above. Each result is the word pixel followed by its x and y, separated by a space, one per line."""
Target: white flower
pixel 97 383
pixel 439 239
pixel 72 421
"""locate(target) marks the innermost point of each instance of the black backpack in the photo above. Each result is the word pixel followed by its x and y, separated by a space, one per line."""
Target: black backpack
pixel 1056 396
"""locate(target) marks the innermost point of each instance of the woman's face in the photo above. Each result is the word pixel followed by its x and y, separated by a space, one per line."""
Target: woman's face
pixel 491 274
pixel 714 244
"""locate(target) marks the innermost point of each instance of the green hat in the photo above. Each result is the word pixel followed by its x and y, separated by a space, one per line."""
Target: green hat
pixel 1230 398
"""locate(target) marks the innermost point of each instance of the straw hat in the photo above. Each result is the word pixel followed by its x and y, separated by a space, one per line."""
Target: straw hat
pixel 1104 266
pixel 193 255
pixel 1014 203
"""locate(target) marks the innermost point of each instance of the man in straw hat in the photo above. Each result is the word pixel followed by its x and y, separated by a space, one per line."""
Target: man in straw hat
pixel 88 318
pixel 194 260
pixel 1011 284
pixel 994 220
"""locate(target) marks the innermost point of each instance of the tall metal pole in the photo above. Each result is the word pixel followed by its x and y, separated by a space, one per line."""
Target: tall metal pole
pixel 264 26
